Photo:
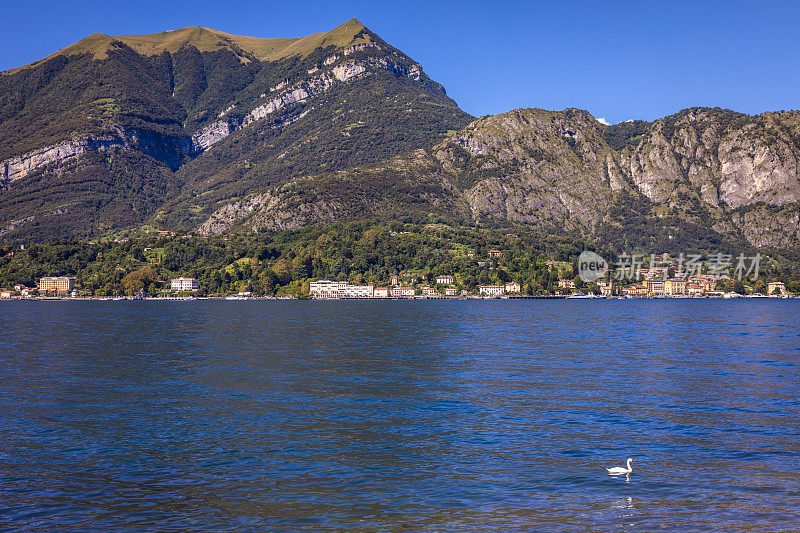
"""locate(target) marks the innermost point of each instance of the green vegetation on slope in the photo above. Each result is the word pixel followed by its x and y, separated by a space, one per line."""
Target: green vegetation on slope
pixel 282 263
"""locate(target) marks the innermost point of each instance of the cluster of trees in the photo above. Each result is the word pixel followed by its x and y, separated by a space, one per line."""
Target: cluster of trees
pixel 283 263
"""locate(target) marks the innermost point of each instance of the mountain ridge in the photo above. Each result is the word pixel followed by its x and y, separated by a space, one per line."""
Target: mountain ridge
pixel 200 130
pixel 364 97
pixel 211 40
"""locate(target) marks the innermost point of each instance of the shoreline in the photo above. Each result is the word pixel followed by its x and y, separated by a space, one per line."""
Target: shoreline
pixel 403 298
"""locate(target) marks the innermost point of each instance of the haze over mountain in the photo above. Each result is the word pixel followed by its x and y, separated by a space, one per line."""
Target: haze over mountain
pixel 199 130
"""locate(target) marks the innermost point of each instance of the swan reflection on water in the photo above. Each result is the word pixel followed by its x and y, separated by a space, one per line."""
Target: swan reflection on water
pixel 624 504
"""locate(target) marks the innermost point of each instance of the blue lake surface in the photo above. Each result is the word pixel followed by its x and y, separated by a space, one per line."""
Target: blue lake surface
pixel 400 415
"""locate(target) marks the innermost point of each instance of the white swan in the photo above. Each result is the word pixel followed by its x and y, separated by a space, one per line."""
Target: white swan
pixel 618 470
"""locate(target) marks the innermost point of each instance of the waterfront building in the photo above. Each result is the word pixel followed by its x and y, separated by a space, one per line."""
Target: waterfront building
pixel 635 290
pixel 6 294
pixel 675 287
pixel 655 286
pixel 605 288
pixel 450 291
pixel 356 291
pixel 56 284
pixel 428 291
pixel 694 289
pixel 512 287
pixel 776 287
pixel 445 280
pixel 325 288
pixel 491 290
pixel 380 292
pixel 185 284
pixel 402 292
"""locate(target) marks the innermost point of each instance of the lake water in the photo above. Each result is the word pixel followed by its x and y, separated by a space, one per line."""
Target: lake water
pixel 400 415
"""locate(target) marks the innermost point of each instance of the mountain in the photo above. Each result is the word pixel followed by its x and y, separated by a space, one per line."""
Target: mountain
pixel 115 132
pixel 199 130
pixel 697 178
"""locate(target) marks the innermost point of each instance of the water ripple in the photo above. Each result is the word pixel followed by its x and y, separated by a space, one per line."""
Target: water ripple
pixel 383 416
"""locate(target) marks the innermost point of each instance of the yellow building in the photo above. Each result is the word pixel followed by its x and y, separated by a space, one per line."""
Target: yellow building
pixel 675 287
pixel 776 287
pixel 56 284
pixel 635 290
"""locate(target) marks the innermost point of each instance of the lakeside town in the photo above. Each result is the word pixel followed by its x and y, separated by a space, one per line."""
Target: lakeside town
pixel 443 286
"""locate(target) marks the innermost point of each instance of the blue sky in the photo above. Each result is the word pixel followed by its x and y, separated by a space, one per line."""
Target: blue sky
pixel 619 60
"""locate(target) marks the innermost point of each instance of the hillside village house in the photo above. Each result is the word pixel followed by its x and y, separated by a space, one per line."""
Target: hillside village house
pixel 445 280
pixel 185 284
pixel 491 290
pixel 497 254
pixel 566 284
pixel 394 281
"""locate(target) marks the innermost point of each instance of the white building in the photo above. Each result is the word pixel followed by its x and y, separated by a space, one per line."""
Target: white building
pixel 185 284
pixel 445 280
pixel 326 289
pixel 491 290
pixel 450 291
pixel 356 291
pixel 340 289
pixel 606 288
pixel 566 283
pixel 428 291
pixel 512 287
pixel 402 291
pixel 381 292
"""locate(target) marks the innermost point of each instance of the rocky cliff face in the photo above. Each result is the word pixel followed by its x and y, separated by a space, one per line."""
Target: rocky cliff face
pixel 166 149
pixel 557 170
pixel 720 157
pixel 334 69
